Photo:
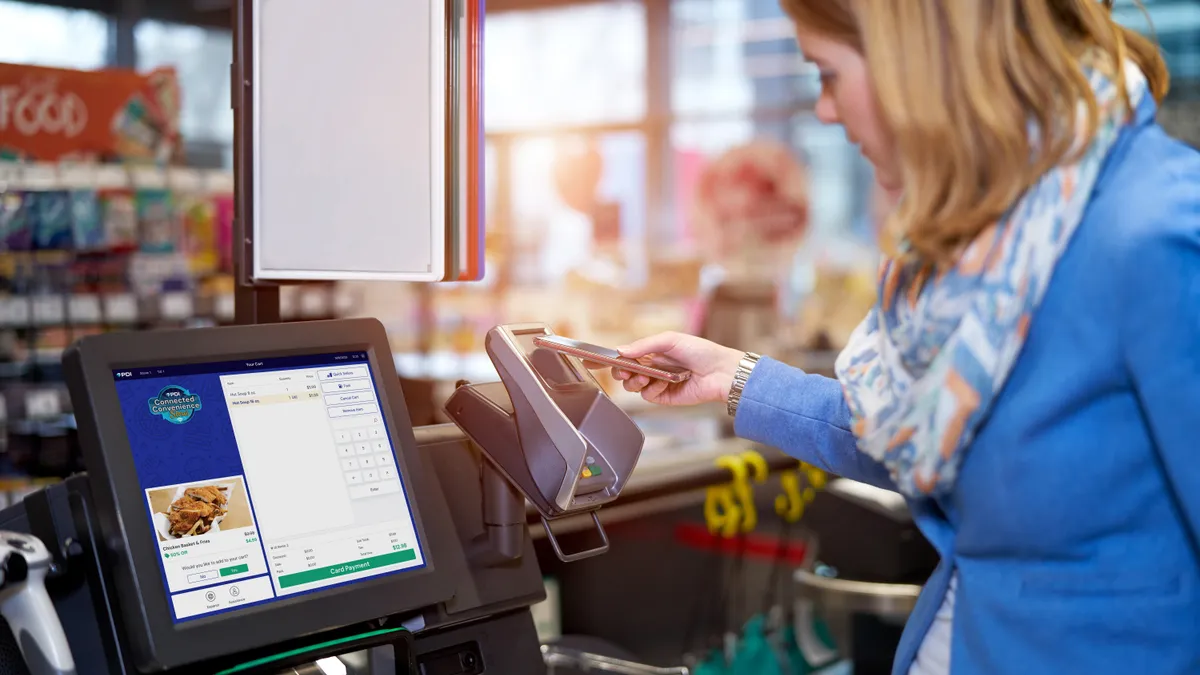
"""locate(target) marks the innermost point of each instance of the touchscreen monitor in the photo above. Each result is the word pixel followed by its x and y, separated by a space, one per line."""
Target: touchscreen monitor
pixel 266 479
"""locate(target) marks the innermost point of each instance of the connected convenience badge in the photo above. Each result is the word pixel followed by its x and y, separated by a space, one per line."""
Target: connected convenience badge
pixel 175 404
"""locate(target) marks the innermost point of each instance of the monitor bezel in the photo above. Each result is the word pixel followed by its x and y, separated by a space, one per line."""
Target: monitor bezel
pixel 142 600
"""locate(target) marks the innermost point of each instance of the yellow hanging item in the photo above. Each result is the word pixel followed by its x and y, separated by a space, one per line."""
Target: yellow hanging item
pixel 724 506
pixel 740 470
pixel 721 512
pixel 790 504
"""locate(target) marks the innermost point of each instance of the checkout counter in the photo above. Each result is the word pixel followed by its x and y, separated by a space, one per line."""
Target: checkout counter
pixel 256 499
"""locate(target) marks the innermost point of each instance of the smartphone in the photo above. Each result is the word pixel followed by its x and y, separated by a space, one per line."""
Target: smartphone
pixel 610 357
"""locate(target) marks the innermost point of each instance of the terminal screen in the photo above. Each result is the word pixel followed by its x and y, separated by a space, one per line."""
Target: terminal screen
pixel 265 479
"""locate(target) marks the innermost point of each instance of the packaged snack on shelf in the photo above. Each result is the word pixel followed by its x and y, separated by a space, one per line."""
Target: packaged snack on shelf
pixel 157 221
pixel 120 219
pixel 54 339
pixel 16 221
pixel 224 222
pixel 87 220
pixel 99 274
pixel 199 232
pixel 156 273
pixel 52 222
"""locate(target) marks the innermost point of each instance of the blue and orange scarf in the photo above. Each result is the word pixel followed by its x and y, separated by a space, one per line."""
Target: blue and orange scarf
pixel 922 369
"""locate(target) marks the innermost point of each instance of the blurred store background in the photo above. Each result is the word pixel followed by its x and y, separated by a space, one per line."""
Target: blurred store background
pixel 650 165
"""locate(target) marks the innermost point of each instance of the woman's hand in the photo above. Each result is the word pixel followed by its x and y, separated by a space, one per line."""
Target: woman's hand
pixel 712 367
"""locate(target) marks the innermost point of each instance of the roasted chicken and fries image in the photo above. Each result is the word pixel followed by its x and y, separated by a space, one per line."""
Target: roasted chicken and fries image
pixel 198 509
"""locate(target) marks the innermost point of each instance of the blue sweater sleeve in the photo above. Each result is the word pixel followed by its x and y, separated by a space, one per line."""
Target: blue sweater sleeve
pixel 805 416
pixel 1160 322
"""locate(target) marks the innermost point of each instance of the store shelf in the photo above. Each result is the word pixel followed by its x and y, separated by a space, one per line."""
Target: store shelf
pixel 128 309
pixel 50 176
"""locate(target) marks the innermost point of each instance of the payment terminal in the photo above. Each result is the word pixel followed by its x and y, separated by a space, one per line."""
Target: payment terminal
pixel 256 497
pixel 549 428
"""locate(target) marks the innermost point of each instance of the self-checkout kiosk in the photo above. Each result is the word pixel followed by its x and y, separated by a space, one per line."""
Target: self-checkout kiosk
pixel 256 497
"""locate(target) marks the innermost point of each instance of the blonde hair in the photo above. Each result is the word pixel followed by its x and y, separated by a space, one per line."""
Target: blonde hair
pixel 958 82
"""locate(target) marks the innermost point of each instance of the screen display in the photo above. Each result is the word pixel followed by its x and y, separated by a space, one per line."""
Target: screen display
pixel 266 479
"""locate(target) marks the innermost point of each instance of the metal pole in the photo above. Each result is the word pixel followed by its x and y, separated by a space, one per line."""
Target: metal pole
pixel 253 302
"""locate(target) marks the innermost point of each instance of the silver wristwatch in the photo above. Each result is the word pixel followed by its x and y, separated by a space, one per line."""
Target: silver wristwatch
pixel 740 376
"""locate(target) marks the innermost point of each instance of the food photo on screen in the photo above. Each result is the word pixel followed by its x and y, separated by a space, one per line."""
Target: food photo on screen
pixel 201 508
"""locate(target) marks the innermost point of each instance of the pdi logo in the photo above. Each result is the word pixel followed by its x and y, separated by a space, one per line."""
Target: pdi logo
pixel 175 404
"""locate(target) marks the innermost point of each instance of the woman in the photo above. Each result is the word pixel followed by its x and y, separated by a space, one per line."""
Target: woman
pixel 1030 375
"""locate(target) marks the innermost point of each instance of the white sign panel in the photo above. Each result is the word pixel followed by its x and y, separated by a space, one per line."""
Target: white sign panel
pixel 349 139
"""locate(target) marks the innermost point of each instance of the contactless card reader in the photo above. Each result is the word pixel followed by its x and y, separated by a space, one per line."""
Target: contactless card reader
pixel 549 428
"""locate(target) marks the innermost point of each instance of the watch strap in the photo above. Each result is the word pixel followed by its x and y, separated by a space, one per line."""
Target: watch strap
pixel 740 376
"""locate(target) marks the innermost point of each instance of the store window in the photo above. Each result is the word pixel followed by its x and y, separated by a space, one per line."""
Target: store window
pixel 201 56
pixel 735 56
pixel 578 206
pixel 572 203
pixel 1176 26
pixel 841 180
pixel 51 36
pixel 754 85
pixel 576 65
pixel 693 146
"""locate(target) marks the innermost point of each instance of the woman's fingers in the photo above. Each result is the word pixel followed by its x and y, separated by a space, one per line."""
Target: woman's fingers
pixel 636 383
pixel 654 390
pixel 655 344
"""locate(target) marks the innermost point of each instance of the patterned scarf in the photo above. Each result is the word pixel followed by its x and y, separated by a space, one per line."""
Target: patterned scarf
pixel 921 370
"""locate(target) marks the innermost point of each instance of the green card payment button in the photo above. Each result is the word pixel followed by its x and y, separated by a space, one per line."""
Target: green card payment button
pixel 342 569
pixel 236 569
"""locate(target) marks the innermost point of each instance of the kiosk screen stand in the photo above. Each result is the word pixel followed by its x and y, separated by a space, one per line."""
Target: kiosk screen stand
pixel 266 479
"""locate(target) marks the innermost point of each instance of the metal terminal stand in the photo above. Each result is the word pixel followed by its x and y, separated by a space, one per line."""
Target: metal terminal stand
pixel 503 540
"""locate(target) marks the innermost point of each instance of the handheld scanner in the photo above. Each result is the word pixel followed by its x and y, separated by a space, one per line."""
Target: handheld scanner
pixel 26 606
